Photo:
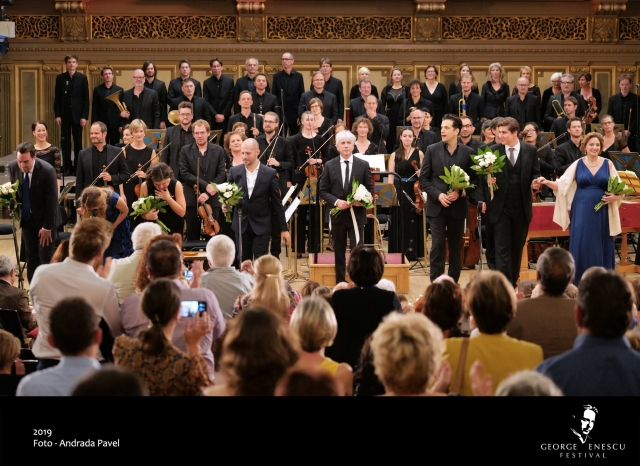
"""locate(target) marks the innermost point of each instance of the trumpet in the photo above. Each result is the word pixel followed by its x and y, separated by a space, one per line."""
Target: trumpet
pixel 462 106
pixel 115 98
pixel 555 104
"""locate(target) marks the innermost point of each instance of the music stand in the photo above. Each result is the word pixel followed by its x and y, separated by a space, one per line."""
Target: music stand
pixel 626 161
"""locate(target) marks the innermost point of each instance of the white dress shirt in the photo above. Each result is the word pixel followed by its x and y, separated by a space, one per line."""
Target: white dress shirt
pixel 251 179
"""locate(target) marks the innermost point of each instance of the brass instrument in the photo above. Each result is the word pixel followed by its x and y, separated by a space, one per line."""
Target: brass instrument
pixel 555 104
pixel 115 98
pixel 173 117
pixel 462 106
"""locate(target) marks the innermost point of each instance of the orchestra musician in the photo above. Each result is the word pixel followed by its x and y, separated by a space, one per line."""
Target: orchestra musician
pixel 178 136
pixel 466 102
pixel 524 105
pixel 357 104
pixel 566 90
pixel 246 116
pixel 200 106
pixel 218 91
pixel 288 84
pixel 329 101
pixel 175 85
pixel 151 82
pixel 263 101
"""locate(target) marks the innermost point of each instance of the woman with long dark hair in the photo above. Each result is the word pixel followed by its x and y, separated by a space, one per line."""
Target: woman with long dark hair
pixel 161 182
pixel 45 150
pixel 393 95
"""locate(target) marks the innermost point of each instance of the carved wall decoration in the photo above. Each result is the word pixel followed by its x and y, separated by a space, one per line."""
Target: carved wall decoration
pixel 604 30
pixel 163 27
pixel 513 28
pixel 37 27
pixel 273 68
pixel 427 29
pixel 339 28
pixel 578 69
pixel 626 69
pixel 251 28
pixel 70 7
pixel 74 28
pixel 449 68
pixel 628 29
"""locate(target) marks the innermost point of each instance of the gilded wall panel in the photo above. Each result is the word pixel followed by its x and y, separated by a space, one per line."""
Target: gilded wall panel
pixel 339 28
pixel 37 26
pixel 629 29
pixel 513 28
pixel 163 27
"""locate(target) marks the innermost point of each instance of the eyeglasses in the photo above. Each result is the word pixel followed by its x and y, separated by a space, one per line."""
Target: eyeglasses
pixel 467 126
pixel 566 82
pixel 287 59
pixel 607 123
pixel 270 121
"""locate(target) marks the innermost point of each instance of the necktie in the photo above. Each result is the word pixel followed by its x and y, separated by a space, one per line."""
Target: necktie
pixel 347 184
pixel 512 158
pixel 26 199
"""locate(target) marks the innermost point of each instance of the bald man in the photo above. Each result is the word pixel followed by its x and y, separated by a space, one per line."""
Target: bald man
pixel 141 102
pixel 261 199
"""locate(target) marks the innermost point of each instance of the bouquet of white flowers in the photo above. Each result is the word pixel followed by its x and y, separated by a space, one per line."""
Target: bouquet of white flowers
pixel 230 194
pixel 488 163
pixel 8 193
pixel 457 179
pixel 144 205
pixel 617 187
pixel 360 194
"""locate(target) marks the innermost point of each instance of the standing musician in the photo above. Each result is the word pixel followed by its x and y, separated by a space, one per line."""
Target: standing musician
pixel 200 106
pixel 175 85
pixel 447 212
pixel 212 169
pixel 246 116
pixel 356 105
pixel 468 103
pixel 151 82
pixel 288 84
pixel 105 110
pixel 263 101
pixel 466 132
pixel 623 107
pixel 332 85
pixel 525 105
pixel 141 102
pixel 218 91
pixel 277 153
pixel 178 136
pixel 246 83
pixel 329 102
pixel 379 121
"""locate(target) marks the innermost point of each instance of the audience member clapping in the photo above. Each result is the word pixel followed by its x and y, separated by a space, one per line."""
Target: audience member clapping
pixel 522 383
pixel 110 381
pixel 525 288
pixel 444 306
pixel 386 284
pixel 308 382
pixel 61 252
pixel 142 276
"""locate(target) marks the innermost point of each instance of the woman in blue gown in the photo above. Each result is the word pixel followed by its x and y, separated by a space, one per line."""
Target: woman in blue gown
pixel 591 237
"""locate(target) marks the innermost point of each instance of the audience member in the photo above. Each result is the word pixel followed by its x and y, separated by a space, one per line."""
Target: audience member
pixel 405 304
pixel 365 380
pixel 110 381
pixel 164 369
pixel 308 382
pixel 9 357
pixel 602 362
pixel 258 350
pixel 548 319
pixel 74 331
pixel 525 288
pixel 142 276
pixel 61 252
pixel 386 284
pixel 527 383
pixel 307 289
pixel 15 298
pixel 444 306
pixel 323 292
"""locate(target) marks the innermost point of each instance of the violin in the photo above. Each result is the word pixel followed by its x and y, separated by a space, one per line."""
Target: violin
pixel 209 224
pixel 417 191
pixel 591 111
pixel 136 188
pixel 311 171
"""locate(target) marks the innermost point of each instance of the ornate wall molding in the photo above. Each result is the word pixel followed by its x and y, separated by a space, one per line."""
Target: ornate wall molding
pixel 604 30
pixel 629 29
pixel 75 27
pixel 339 28
pixel 513 28
pixel 164 27
pixel 626 69
pixel 427 29
pixel 37 27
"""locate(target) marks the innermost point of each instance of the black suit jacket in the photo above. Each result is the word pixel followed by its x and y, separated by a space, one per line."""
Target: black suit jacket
pixel 265 200
pixel 283 153
pixel 550 114
pixel 293 86
pixel 530 170
pixel 175 89
pixel 435 159
pixel 531 109
pixel 407 105
pixel 171 156
pixel 161 89
pixel 380 129
pixel 243 84
pixel 566 154
pixel 85 175
pixel 329 102
pixel 18 300
pixel 104 110
pixel 200 108
pixel 269 103
pixel 356 109
pixel 150 112
pixel 238 117
pixel 619 108
pixel 334 86
pixel 43 190
pixel 331 188
pixel 425 139
pixel 475 108
pixel 77 98
pixel 221 100
pixel 212 169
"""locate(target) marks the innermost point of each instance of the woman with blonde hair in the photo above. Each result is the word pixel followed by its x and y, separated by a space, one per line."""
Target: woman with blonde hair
pixel 456 87
pixel 363 73
pixel 270 290
pixel 137 155
pixel 525 72
pixel 315 324
pixel 495 92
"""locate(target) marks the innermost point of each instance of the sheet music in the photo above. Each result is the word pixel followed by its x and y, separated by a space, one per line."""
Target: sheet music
pixel 289 193
pixel 292 208
pixel 375 161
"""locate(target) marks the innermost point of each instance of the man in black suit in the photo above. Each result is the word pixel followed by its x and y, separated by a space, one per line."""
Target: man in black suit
pixel 524 106
pixel 200 106
pixel 246 116
pixel 288 84
pixel 335 186
pixel 263 101
pixel 141 103
pixel 356 106
pixel 175 85
pixel 218 91
pixel 333 86
pixel 422 138
pixel 92 160
pixel 150 82
pixel 38 194
pixel 329 102
pixel 566 87
pixel 71 108
pixel 569 152
pixel 446 211
pixel 104 110
pixel 260 203
pixel 379 121
pixel 472 105
pixel 559 126
pixel 212 169
pixel 246 83
pixel 178 136
pixel 510 211
pixel 465 135
pixel 623 104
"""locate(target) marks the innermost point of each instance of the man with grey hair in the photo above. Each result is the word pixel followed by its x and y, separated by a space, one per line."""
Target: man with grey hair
pixel 548 319
pixel 221 278
pixel 566 90
pixel 123 271
pixel 246 83
pixel 12 297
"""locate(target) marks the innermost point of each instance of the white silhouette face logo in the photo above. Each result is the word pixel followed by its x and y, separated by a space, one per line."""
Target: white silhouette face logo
pixel 588 419
pixel 584 424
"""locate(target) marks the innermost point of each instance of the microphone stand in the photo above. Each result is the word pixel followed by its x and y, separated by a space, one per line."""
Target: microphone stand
pixel 417 263
pixel 12 214
pixel 239 207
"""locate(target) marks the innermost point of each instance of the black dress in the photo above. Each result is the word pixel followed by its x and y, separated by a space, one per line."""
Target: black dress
pixel 52 156
pixel 439 99
pixel 371 150
pixel 494 101
pixel 134 159
pixel 392 101
pixel 173 221
pixel 407 225
pixel 324 127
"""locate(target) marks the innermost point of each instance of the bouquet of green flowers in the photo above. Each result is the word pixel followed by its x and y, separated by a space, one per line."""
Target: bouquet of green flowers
pixel 230 194
pixel 617 187
pixel 457 179
pixel 488 163
pixel 144 205
pixel 7 194
pixel 359 193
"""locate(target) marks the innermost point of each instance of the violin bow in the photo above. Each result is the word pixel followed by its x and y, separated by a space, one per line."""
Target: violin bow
pixel 107 167
pixel 149 161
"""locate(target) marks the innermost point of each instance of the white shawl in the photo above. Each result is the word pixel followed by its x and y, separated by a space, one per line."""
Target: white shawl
pixel 564 198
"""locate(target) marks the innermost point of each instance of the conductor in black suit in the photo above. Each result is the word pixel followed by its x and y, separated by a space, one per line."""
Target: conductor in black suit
pixel 335 185
pixel 218 91
pixel 104 110
pixel 260 202
pixel 178 136
pixel 71 108
pixel 524 106
pixel 141 103
pixel 446 212
pixel 38 194
pixel 472 104
pixel 212 169
pixel 100 154
pixel 511 210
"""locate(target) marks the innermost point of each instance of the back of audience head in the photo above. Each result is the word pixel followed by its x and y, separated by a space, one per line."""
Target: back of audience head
pixel 366 266
pixel 9 351
pixel 308 288
pixel 89 239
pixel 386 284
pixel 7 265
pixel 160 302
pixel 61 252
pixel 555 269
pixel 323 292
pixel 74 327
pixel 308 382
pixel 604 304
pixel 406 352
pixel 110 380
pixel 315 324
pixel 366 382
pixel 492 302
pixel 525 288
pixel 443 304
pixel 270 290
pixel 528 383
pixel 221 251
pixel 142 274
pixel 143 233
pixel 259 348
